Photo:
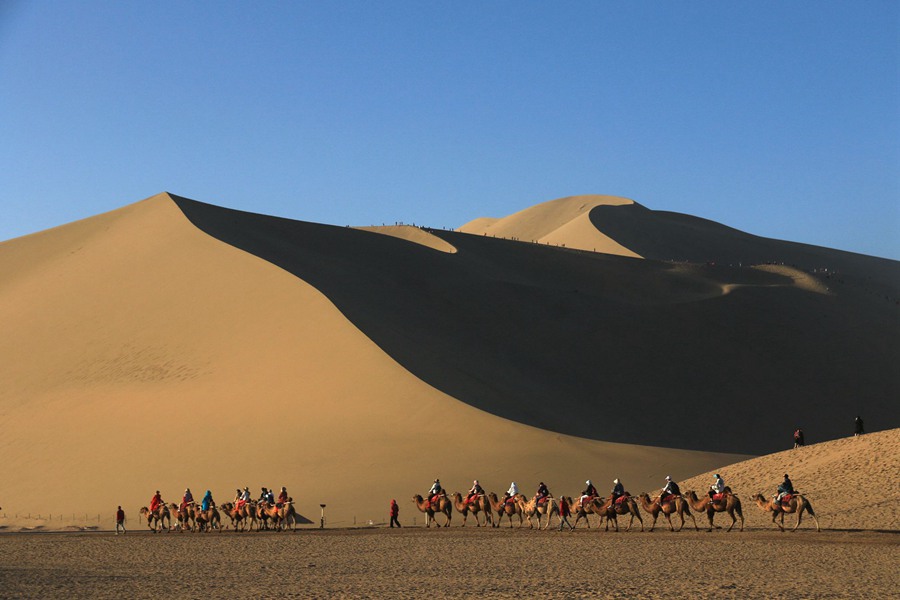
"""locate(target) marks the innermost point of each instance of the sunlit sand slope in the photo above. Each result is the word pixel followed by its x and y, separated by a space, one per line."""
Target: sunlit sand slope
pixel 837 477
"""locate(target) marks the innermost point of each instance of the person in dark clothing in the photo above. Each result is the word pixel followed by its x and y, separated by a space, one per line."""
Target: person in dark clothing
pixel 859 426
pixel 617 492
pixel 798 438
pixel 120 521
pixel 395 512
pixel 786 487
pixel 542 493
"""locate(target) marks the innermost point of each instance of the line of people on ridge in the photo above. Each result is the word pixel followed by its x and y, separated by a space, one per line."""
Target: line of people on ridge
pixel 716 491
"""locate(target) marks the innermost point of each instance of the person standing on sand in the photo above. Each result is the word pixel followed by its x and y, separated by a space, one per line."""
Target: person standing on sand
pixel 798 438
pixel 564 514
pixel 395 512
pixel 120 521
pixel 859 426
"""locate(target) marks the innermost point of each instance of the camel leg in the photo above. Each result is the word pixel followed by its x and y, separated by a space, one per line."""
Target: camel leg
pixel 669 519
pixel 653 525
pixel 709 515
pixel 774 517
pixel 733 520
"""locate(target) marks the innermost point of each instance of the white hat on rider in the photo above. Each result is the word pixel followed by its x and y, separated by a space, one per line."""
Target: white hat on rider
pixel 668 478
pixel 588 482
pixel 616 481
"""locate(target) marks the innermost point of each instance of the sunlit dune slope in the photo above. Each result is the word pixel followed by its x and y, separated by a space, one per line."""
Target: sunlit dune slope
pixel 707 357
pixel 139 353
pixel 562 222
pixel 837 477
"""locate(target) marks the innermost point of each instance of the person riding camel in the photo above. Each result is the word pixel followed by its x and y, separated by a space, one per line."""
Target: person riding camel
pixel 282 497
pixel 244 498
pixel 263 496
pixel 187 499
pixel 786 488
pixel 542 494
pixel 435 490
pixel 671 489
pixel 155 502
pixel 207 501
pixel 617 492
pixel 510 494
pixel 270 497
pixel 589 492
pixel 476 491
pixel 718 487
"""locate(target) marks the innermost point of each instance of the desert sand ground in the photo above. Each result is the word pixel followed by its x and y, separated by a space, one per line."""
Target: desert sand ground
pixel 415 562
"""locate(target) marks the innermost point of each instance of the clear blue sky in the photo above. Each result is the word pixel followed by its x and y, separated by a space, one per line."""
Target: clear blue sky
pixel 778 118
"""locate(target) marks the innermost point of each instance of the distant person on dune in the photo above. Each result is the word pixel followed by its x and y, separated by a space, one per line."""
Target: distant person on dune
pixel 798 438
pixel 859 426
pixel 395 512
pixel 120 521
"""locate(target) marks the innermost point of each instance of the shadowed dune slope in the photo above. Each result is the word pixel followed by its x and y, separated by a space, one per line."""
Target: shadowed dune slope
pixel 596 345
pixel 837 477
pixel 138 353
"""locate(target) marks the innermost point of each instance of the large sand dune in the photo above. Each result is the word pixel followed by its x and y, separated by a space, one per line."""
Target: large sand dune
pixel 175 343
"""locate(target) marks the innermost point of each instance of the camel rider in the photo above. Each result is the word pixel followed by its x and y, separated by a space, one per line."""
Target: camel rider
pixel 784 489
pixel 617 492
pixel 718 487
pixel 476 491
pixel 207 501
pixel 589 492
pixel 435 490
pixel 237 496
pixel 542 493
pixel 245 498
pixel 187 499
pixel 671 488
pixel 270 497
pixel 282 497
pixel 263 496
pixel 155 501
pixel 511 493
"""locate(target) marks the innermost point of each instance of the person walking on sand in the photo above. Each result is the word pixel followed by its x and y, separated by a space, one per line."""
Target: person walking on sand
pixel 395 512
pixel 120 521
pixel 564 513
pixel 858 426
pixel 798 438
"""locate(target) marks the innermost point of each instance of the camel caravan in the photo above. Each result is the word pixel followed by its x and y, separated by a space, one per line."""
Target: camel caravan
pixel 489 509
pixel 244 514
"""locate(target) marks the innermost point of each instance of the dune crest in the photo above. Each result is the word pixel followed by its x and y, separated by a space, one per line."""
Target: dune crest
pixel 417 235
pixel 561 222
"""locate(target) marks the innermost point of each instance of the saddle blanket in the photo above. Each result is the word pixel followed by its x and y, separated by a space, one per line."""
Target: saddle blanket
pixel 718 497
pixel 786 499
pixel 669 498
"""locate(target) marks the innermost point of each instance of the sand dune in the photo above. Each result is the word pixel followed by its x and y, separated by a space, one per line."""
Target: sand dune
pixel 849 481
pixel 417 235
pixel 173 343
pixel 138 353
pixel 563 222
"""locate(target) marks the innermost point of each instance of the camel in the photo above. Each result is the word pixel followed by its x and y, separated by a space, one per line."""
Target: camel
pixel 158 518
pixel 797 505
pixel 678 507
pixel 240 518
pixel 505 509
pixel 612 511
pixel 183 518
pixel 443 506
pixel 287 515
pixel 207 519
pixel 732 506
pixel 265 512
pixel 532 509
pixel 582 512
pixel 480 505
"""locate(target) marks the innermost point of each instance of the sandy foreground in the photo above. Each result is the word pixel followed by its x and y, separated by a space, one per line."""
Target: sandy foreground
pixel 415 562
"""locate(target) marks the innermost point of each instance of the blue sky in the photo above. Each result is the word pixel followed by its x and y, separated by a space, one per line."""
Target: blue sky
pixel 778 118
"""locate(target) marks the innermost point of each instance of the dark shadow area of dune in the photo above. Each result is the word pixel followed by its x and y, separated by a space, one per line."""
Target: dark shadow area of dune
pixel 594 345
